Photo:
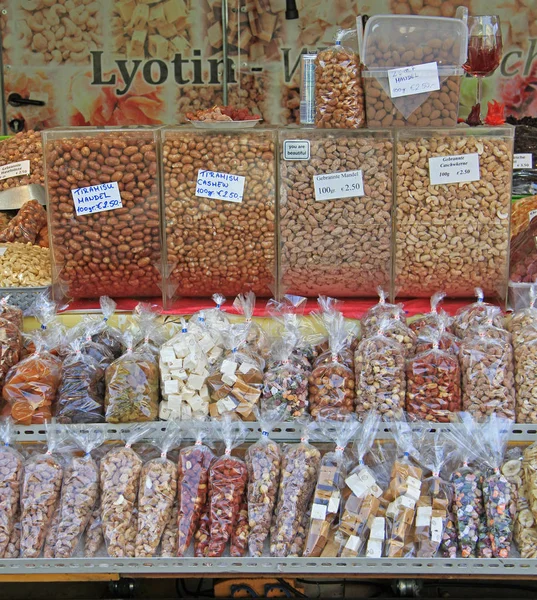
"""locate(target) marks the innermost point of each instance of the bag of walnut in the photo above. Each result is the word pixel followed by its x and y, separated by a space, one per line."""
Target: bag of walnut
pixel 339 92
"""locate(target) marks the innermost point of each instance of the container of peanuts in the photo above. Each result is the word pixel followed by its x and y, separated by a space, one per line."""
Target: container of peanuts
pixel 413 70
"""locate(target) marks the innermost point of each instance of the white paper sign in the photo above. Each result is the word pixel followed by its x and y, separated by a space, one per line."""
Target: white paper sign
pixel 220 186
pixel 97 198
pixel 15 169
pixel 334 186
pixel 413 80
pixel 296 150
pixel 523 161
pixel 454 169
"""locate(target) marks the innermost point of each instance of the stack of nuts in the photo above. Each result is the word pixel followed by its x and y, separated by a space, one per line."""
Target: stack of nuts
pixel 26 145
pixel 25 265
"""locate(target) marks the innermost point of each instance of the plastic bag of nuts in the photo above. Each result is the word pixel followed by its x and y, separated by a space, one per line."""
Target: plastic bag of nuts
pixel 397 329
pixel 380 311
pixel 263 461
pixel 40 496
pixel 434 318
pixel 25 227
pixel 104 333
pixel 241 530
pixel 202 230
pixel 379 366
pixel 472 316
pixel 332 381
pixel 79 495
pixel 93 536
pixel 327 503
pixel 447 342
pixel 488 381
pixel 120 475
pixel 525 353
pixel 156 495
pixel 11 313
pixel 11 477
pixel 113 252
pixel 168 542
pixel 10 346
pixel 433 383
pixel 521 318
pixel 193 485
pixel 339 93
pixel 228 478
pixel 299 471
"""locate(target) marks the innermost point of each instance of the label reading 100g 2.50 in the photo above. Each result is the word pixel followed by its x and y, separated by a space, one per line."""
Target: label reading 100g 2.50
pixel 461 168
pixel 334 186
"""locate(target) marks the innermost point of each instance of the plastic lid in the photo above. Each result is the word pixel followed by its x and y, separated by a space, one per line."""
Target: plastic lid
pixel 393 41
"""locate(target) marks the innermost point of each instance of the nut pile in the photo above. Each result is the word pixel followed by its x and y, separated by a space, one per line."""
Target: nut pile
pixel 337 247
pixel 525 354
pixel 214 244
pixel 25 145
pixel 452 237
pixel 110 253
pixel 25 265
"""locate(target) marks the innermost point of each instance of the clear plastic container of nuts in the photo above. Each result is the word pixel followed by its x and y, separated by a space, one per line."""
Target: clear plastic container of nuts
pixel 335 243
pixel 453 235
pixel 107 242
pixel 220 204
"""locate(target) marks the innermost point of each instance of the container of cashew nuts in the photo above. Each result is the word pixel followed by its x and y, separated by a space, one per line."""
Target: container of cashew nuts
pixel 104 210
pixel 453 203
pixel 220 210
pixel 335 212
pixel 413 70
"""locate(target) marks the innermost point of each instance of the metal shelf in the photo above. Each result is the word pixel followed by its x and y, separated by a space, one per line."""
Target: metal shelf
pixel 318 567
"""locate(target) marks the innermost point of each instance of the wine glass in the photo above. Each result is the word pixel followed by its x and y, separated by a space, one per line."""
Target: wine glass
pixel 484 49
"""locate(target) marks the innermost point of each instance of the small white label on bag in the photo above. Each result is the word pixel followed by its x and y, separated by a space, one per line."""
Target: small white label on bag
pixel 296 150
pixel 334 186
pixel 220 186
pixel 454 169
pixel 413 80
pixel 523 161
pixel 437 529
pixel 15 169
pixel 97 198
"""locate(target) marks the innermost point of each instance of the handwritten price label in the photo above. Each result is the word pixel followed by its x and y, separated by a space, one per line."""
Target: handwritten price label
pixel 220 186
pixel 461 168
pixel 334 186
pixel 97 198
pixel 413 80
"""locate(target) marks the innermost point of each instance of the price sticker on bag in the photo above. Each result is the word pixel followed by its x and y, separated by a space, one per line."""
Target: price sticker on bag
pixel 417 79
pixel 15 169
pixel 523 161
pixel 461 168
pixel 220 186
pixel 97 198
pixel 335 186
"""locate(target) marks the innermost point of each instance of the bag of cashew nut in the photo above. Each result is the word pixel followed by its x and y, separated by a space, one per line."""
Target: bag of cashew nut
pixel 299 471
pixel 379 365
pixel 487 367
pixel 525 355
pixel 434 318
pixel 228 478
pixel 193 484
pixel 120 475
pixel 521 318
pixel 79 495
pixel 433 383
pixel 244 304
pixel 475 314
pixel 236 382
pixel 156 494
pixel 362 494
pixel 327 497
pixel 263 461
pixel 132 385
pixel 11 477
pixel 380 311
pixel 40 495
pixel 339 92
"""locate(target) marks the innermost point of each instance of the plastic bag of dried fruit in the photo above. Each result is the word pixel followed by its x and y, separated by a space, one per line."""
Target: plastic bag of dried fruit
pixel 11 312
pixel 10 346
pixel 379 365
pixel 433 383
pixel 11 477
pixel 474 314
pixel 228 478
pixel 25 227
pixel 80 491
pixel 85 333
pixel 263 461
pixel 236 383
pixel 339 92
pixel 327 504
pixel 193 483
pixel 380 311
pixel 120 475
pixel 523 318
pixel 132 385
pixel 329 308
pixel 362 494
pixel 104 333
pixel 146 328
pixel 40 495
pixel 433 318
pixel 487 367
pixel 299 471
pixel 157 492
pixel 244 304
pixel 331 382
